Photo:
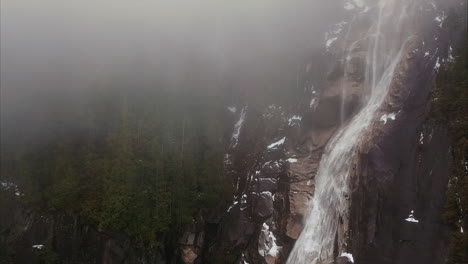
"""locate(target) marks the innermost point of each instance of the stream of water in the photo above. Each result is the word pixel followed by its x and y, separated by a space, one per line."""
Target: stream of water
pixel 387 40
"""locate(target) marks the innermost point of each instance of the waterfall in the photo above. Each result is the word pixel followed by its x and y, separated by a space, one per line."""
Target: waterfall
pixel 343 87
pixel 387 40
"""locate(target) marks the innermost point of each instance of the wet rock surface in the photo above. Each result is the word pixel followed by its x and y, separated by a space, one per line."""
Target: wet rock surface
pixel 394 173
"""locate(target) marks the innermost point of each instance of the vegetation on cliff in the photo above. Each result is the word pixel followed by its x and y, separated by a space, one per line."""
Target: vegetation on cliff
pixel 449 106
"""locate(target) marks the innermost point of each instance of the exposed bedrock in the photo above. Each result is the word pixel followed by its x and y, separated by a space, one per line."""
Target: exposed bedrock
pixel 401 170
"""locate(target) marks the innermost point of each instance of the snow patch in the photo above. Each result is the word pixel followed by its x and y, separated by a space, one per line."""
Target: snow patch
pixel 232 109
pixel 411 218
pixel 38 247
pixel 313 102
pixel 421 138
pixel 440 19
pixel 337 28
pixel 268 246
pixel 348 255
pixel 384 118
pixel 330 41
pixel 291 160
pixel 273 111
pixel 437 65
pixel 277 143
pixel 243 202
pixel 294 120
pixel 353 4
pixel 450 57
pixel 243 259
pixel 230 207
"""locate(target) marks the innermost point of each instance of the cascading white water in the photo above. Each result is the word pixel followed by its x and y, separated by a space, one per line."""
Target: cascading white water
pixel 387 40
pixel 343 88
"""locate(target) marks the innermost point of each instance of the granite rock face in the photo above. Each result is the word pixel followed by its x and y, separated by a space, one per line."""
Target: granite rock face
pixel 398 185
pixel 401 166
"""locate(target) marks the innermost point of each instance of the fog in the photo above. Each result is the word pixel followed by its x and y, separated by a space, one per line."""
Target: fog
pixel 56 51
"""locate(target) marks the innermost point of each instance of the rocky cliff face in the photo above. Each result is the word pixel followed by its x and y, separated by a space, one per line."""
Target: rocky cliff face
pixel 398 181
pixel 399 174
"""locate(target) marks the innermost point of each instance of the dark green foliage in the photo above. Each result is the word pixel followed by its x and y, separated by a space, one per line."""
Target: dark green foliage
pixel 48 256
pixel 145 167
pixel 5 250
pixel 449 105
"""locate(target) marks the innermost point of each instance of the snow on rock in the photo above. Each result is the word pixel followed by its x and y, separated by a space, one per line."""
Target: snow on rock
pixel 277 143
pixel 38 247
pixel 243 202
pixel 267 193
pixel 450 57
pixel 227 159
pixel 440 19
pixel 384 118
pixel 243 259
pixel 313 102
pixel 411 218
pixel 426 54
pixel 291 160
pixel 330 41
pixel 267 246
pixel 313 97
pixel 4 185
pixel 337 28
pixel 230 207
pixel 421 138
pixel 274 111
pixel 348 255
pixel 437 65
pixel 332 34
pixel 353 4
pixel 232 109
pixel 294 120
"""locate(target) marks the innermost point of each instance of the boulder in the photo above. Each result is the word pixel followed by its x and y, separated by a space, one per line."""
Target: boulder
pixel 262 204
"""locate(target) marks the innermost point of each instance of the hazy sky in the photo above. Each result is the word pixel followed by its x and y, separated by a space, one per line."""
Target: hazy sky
pixel 57 49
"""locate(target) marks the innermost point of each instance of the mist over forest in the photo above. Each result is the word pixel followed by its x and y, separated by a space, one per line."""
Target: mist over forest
pixel 57 54
pixel 233 132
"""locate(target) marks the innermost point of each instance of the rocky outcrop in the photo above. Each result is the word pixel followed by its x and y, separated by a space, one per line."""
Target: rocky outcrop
pixel 399 170
pixel 191 246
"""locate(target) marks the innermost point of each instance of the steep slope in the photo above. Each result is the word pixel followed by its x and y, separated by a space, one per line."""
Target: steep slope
pixel 392 174
pixel 349 170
